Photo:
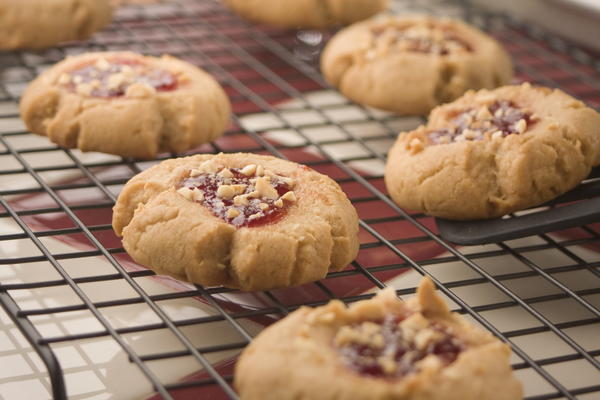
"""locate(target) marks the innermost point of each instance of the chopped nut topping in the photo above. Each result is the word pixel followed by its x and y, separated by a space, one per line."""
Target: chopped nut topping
pixel 102 64
pixel 239 188
pixel 195 172
pixel 240 200
pixel 198 195
pixel 260 170
pixel 208 166
pixel 186 192
pixel 484 113
pixel 255 200
pixel 225 191
pixel 497 135
pixel 64 79
pixel 388 365
pixel 521 126
pixel 84 89
pixel 494 121
pixel 395 347
pixel 288 181
pixel 232 213
pixel 327 317
pixel 416 145
pixel 226 173
pixel 289 196
pixel 139 90
pixel 264 189
pixel 255 216
pixel 418 38
pixel 113 78
pixel 249 170
pixel 470 134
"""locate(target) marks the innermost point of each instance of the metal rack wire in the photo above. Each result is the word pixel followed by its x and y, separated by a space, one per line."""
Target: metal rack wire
pixel 273 75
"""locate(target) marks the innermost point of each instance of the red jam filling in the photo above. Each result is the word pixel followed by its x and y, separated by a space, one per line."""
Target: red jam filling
pixel 388 352
pixel 112 78
pixel 423 39
pixel 254 211
pixel 500 119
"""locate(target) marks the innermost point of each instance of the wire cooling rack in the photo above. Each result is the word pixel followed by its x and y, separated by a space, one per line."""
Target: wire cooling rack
pixel 82 320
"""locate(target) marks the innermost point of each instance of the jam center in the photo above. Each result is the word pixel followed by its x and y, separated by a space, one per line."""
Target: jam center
pixel 390 348
pixel 241 197
pixel 112 78
pixel 421 39
pixel 500 119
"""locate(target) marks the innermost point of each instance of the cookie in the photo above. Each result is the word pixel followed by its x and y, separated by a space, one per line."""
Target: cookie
pixel 314 14
pixel 126 104
pixel 240 220
pixel 408 65
pixel 490 153
pixel 37 24
pixel 377 349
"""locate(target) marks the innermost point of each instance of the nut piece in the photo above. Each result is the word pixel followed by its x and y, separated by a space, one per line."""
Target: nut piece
pixel 225 192
pixel 198 195
pixel 64 79
pixel 226 173
pixel 521 126
pixel 239 188
pixel 289 196
pixel 264 188
pixel 415 145
pixel 469 134
pixel 102 64
pixel 497 135
pixel 240 200
pixel 278 203
pixel 255 216
pixel 140 90
pixel 84 89
pixel 209 167
pixel 195 172
pixel 249 170
pixel 232 213
pixel 186 192
pixel 483 113
pixel 114 81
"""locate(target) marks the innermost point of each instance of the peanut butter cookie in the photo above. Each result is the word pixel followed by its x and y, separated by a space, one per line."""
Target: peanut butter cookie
pixel 37 24
pixel 239 220
pixel 409 65
pixel 126 104
pixel 490 153
pixel 314 14
pixel 377 349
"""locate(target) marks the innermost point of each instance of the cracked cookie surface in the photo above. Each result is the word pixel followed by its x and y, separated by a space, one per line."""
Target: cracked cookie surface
pixel 37 24
pixel 126 104
pixel 408 65
pixel 239 220
pixel 314 14
pixel 490 153
pixel 381 348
